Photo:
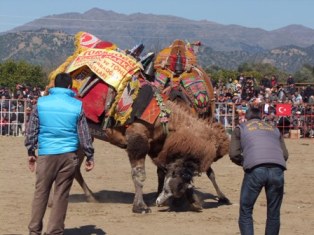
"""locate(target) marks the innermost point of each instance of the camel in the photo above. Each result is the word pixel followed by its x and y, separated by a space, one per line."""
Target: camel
pixel 210 145
pixel 116 77
pixel 166 142
pixel 184 132
pixel 178 74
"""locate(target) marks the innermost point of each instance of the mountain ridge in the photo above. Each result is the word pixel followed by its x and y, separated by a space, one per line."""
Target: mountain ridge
pixel 49 40
pixel 128 30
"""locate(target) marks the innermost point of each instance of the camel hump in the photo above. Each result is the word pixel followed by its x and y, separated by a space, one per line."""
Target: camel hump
pixel 168 56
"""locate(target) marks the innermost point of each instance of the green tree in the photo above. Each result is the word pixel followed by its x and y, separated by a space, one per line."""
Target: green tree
pixel 14 72
pixel 259 70
pixel 305 74
pixel 217 73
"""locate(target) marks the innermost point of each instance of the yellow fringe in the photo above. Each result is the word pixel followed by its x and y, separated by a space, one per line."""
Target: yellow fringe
pixel 112 110
pixel 65 64
pixel 69 60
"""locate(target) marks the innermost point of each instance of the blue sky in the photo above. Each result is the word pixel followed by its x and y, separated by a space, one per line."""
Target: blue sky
pixel 265 14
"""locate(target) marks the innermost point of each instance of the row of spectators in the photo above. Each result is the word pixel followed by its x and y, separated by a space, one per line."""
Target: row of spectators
pixel 247 88
pixel 232 99
pixel 234 96
pixel 21 92
pixel 301 118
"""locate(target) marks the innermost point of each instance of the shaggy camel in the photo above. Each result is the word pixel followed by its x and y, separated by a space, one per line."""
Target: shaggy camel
pixel 197 152
pixel 180 77
pixel 188 136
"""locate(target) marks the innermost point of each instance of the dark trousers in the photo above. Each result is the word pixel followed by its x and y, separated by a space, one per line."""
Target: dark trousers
pixel 272 178
pixel 58 169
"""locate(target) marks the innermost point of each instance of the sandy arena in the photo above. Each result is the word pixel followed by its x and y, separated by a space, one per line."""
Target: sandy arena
pixel 111 182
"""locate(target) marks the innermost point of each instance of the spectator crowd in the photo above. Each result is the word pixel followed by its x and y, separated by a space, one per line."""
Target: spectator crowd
pixel 15 107
pixel 232 100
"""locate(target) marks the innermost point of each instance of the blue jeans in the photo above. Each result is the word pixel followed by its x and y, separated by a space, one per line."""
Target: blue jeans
pixel 272 178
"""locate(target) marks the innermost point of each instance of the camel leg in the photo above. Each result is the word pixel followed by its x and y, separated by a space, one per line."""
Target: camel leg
pixel 137 149
pixel 79 178
pixel 161 173
pixel 139 176
pixel 221 197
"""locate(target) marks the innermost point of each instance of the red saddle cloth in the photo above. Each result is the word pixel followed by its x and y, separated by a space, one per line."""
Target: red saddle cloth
pixel 152 111
pixel 94 101
pixel 94 104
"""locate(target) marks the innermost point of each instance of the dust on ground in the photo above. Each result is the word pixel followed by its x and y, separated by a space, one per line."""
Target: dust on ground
pixel 112 184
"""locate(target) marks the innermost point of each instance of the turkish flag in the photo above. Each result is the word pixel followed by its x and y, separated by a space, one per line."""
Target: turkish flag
pixel 283 109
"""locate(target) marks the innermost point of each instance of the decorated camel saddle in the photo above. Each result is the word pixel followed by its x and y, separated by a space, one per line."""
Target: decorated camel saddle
pixel 178 73
pixel 109 82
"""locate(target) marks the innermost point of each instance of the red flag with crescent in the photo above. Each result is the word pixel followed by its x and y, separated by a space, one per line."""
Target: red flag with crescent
pixel 283 109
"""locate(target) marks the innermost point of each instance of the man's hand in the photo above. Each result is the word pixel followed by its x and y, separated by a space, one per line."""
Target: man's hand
pixel 32 163
pixel 238 160
pixel 89 165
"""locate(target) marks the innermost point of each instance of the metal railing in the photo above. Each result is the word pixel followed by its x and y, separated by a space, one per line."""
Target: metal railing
pixel 14 116
pixel 301 118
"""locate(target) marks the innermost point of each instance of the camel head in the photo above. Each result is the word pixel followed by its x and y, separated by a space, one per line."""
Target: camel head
pixel 178 184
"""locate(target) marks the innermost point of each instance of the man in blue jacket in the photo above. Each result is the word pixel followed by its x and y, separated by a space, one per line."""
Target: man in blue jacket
pixel 260 149
pixel 57 128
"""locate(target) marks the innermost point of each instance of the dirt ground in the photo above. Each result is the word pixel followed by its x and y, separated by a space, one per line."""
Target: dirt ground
pixel 111 182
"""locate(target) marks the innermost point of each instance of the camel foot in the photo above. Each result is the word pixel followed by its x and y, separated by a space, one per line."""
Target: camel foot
pixel 141 210
pixel 224 201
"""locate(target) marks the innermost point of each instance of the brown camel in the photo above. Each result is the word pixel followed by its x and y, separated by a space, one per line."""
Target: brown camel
pixel 139 138
pixel 197 152
pixel 178 74
pixel 188 136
